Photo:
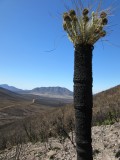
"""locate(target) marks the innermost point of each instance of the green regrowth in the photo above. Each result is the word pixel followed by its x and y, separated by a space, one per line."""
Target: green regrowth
pixel 87 28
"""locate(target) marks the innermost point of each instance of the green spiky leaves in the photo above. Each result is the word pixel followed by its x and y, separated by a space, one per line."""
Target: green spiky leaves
pixel 85 29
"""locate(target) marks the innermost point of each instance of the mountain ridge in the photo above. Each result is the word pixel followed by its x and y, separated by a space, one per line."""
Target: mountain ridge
pixel 11 88
pixel 52 90
pixel 49 91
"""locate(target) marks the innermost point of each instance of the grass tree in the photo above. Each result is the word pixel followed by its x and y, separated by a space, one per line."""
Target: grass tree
pixel 84 28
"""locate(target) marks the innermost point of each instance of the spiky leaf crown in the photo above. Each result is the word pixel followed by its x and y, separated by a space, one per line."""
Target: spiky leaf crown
pixel 84 29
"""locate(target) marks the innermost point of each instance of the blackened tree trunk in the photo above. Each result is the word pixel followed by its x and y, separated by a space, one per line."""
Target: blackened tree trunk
pixel 83 100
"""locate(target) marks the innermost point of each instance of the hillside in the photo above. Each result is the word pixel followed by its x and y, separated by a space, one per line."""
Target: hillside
pixel 11 88
pixel 5 93
pixel 107 99
pixel 105 147
pixel 8 98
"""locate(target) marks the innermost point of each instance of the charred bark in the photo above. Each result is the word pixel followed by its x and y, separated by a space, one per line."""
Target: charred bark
pixel 83 100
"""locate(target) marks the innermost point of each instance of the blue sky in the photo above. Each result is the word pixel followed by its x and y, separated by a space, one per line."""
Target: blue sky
pixel 30 29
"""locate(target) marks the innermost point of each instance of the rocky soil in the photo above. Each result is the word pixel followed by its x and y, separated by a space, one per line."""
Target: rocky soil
pixel 106 146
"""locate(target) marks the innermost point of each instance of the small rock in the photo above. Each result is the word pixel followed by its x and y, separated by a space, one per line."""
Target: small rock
pixel 51 153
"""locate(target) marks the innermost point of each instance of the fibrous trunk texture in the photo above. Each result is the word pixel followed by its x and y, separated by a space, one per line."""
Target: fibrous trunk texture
pixel 83 100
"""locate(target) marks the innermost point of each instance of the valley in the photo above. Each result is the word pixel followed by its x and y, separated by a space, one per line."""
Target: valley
pixel 16 107
pixel 25 112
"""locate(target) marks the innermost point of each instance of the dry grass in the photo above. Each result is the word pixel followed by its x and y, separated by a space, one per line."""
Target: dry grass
pixel 55 123
pixel 58 122
pixel 49 123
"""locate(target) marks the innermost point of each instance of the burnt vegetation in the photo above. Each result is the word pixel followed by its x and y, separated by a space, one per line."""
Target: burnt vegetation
pixel 59 122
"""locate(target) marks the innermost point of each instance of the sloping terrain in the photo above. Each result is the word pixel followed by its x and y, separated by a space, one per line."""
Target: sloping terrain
pixel 11 88
pixel 107 99
pixel 8 98
pixel 106 141
pixel 7 94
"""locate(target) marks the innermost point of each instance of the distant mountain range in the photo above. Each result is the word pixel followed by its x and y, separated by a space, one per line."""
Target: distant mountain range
pixel 11 88
pixel 51 91
pixel 45 91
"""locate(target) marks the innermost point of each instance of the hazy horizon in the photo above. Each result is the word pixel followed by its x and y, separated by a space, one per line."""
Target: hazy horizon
pixel 56 86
